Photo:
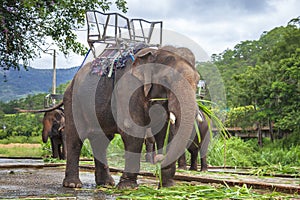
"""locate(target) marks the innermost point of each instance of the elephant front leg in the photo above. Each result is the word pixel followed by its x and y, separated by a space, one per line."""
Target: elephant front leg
pixel 72 170
pixel 55 148
pixel 167 172
pixel 133 148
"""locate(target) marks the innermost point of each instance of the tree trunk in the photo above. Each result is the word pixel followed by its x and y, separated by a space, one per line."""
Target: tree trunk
pixel 271 131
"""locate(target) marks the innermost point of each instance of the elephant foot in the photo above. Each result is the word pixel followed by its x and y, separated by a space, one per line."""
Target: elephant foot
pixel 72 183
pixel 107 181
pixel 182 167
pixel 193 168
pixel 203 169
pixel 127 184
pixel 167 183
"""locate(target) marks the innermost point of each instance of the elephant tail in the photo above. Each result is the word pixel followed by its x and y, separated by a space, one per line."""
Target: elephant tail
pixel 41 110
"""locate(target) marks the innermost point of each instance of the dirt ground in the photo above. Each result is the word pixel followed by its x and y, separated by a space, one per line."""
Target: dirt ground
pixel 31 178
pixel 45 183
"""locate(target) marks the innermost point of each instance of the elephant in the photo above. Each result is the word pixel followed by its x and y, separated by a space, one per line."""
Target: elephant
pixel 193 149
pixel 202 124
pixel 98 107
pixel 197 146
pixel 53 127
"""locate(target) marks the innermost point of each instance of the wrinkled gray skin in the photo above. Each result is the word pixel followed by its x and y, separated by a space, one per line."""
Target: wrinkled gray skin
pixel 53 127
pixel 194 148
pixel 89 111
pixel 197 147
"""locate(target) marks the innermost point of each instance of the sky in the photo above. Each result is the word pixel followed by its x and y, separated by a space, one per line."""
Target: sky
pixel 215 25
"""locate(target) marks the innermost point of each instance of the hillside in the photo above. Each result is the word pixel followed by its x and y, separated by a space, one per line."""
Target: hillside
pixel 15 84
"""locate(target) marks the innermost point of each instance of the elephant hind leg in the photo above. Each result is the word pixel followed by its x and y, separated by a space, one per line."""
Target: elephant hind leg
pixel 150 151
pixel 203 164
pixel 194 156
pixel 99 145
pixel 102 174
pixel 133 147
pixel 182 162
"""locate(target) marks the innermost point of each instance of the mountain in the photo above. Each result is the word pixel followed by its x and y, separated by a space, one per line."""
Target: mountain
pixel 15 84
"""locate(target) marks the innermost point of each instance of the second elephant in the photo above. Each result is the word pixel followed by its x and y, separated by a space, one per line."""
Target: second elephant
pixel 194 148
pixel 197 146
pixel 53 128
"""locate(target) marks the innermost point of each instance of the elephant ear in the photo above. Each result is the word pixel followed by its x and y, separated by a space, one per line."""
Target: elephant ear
pixel 60 119
pixel 144 74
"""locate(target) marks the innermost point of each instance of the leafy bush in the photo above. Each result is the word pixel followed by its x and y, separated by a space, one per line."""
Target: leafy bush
pixel 248 154
pixel 238 153
pixel 24 124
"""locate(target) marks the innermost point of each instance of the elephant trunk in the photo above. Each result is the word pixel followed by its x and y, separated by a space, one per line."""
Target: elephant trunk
pixel 183 106
pixel 47 126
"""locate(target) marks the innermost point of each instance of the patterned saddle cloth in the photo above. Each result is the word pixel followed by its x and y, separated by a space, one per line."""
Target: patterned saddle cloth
pixel 110 59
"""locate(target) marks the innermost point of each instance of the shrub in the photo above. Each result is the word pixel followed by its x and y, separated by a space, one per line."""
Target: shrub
pixel 238 153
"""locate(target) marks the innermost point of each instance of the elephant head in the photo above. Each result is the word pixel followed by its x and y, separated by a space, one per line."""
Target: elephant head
pixel 166 74
pixel 53 123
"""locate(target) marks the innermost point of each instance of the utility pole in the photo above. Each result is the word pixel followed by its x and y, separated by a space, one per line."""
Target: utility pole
pixel 54 73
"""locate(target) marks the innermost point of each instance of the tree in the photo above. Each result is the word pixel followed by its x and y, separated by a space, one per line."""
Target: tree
pixel 265 73
pixel 27 25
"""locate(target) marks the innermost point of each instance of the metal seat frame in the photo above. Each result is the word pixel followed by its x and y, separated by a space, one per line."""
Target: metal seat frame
pixel 97 30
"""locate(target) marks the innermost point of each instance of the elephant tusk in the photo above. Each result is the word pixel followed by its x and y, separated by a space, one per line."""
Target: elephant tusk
pixel 172 118
pixel 199 118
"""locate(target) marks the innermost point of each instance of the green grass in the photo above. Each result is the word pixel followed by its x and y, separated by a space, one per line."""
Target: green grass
pixel 192 191
pixel 19 150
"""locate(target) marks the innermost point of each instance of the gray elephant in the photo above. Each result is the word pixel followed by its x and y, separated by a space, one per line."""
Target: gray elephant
pixel 194 148
pixel 197 146
pixel 53 127
pixel 97 108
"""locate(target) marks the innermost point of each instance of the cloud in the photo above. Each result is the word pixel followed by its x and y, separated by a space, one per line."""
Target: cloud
pixel 215 25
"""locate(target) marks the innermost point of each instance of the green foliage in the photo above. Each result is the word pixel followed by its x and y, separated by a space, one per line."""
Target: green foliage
pixel 237 152
pixel 24 124
pixel 32 22
pixel 265 73
pixel 115 148
pixel 240 117
pixel 284 152
pixel 21 139
pixel 86 150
